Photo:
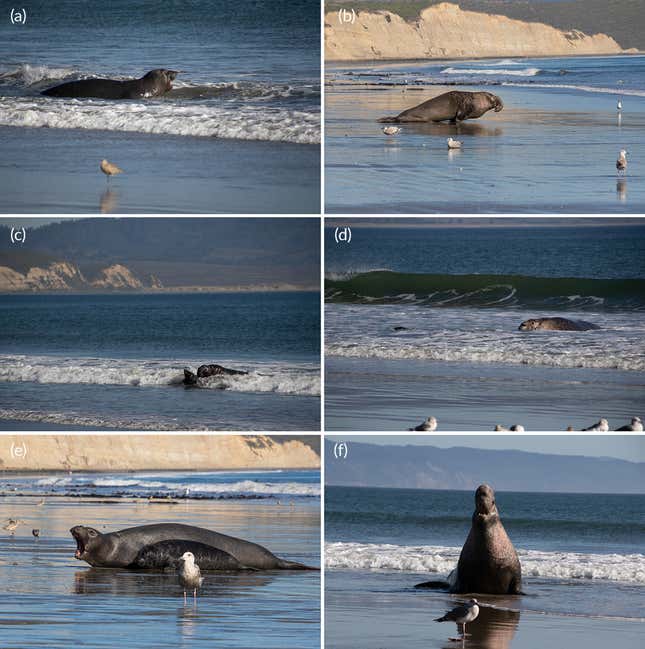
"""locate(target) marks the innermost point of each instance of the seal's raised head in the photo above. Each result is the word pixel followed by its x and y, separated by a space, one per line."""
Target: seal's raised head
pixel 162 76
pixel 485 501
pixel 86 539
pixel 496 102
pixel 529 325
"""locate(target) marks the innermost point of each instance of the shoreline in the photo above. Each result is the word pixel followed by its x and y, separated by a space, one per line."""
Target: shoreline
pixel 176 290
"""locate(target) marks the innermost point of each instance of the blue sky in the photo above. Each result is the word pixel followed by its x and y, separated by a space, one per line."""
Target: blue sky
pixel 624 447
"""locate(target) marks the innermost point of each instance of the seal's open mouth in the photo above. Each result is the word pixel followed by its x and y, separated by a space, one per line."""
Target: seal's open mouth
pixel 80 543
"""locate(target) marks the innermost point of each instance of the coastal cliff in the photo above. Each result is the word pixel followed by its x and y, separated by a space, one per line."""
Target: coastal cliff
pixel 158 452
pixel 445 31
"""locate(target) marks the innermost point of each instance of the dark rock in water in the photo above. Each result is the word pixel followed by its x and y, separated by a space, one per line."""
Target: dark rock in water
pixel 399 328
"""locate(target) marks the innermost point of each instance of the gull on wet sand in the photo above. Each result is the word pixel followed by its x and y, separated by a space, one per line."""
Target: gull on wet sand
pixel 453 144
pixel 462 615
pixel 619 105
pixel 110 169
pixel 35 532
pixel 601 426
pixel 190 576
pixel 621 163
pixel 636 425
pixel 429 425
pixel 516 428
pixel 12 525
pixel 391 130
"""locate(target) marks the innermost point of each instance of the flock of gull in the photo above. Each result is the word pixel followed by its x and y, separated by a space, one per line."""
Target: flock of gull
pixel 601 426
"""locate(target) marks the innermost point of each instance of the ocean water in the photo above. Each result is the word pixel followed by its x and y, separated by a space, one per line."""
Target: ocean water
pixel 54 599
pixel 117 361
pixel 552 149
pixel 583 568
pixel 458 354
pixel 225 136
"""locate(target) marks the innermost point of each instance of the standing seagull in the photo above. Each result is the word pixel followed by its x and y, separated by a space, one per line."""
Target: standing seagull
pixel 429 425
pixel 391 130
pixel 110 169
pixel 462 615
pixel 190 576
pixel 12 525
pixel 602 426
pixel 636 425
pixel 621 163
pixel 619 105
pixel 453 144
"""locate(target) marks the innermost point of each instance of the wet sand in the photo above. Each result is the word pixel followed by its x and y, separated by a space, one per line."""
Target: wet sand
pixel 54 600
pixel 367 610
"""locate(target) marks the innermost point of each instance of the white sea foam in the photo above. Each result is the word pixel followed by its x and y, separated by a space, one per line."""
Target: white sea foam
pixel 27 75
pixel 628 568
pixel 162 117
pixel 566 86
pixel 293 379
pixel 527 72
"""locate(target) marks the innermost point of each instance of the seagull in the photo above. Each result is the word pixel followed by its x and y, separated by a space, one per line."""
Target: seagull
pixel 619 105
pixel 391 130
pixel 602 426
pixel 36 532
pixel 110 169
pixel 12 525
pixel 636 425
pixel 453 144
pixel 462 615
pixel 516 428
pixel 621 163
pixel 429 425
pixel 189 574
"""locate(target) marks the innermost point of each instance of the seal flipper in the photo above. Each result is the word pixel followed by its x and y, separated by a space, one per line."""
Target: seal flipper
pixel 436 585
pixel 190 378
pixel 283 564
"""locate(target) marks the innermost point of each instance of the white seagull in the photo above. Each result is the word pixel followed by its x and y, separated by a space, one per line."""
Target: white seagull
pixel 636 425
pixel 462 615
pixel 602 426
pixel 391 130
pixel 190 576
pixel 619 105
pixel 453 144
pixel 429 425
pixel 621 163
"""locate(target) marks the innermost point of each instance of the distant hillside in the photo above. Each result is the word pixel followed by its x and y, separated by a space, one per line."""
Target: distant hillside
pixel 621 19
pixel 429 467
pixel 179 251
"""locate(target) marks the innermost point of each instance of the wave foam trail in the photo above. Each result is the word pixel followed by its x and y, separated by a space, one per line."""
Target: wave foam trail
pixel 527 72
pixel 279 378
pixel 628 568
pixel 566 86
pixel 161 117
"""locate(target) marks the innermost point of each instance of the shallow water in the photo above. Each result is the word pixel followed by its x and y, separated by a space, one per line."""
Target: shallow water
pixel 552 149
pixel 54 600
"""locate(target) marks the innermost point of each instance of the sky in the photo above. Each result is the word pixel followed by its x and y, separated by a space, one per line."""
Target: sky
pixel 623 447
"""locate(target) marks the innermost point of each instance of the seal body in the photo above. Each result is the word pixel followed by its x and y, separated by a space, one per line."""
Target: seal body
pixel 454 106
pixel 556 324
pixel 167 554
pixel 204 371
pixel 153 84
pixel 120 549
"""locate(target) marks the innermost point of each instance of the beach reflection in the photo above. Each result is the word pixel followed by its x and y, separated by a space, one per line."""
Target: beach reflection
pixel 493 629
pixel 109 201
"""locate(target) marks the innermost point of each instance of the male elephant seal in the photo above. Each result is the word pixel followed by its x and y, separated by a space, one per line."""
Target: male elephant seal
pixel 204 371
pixel 167 554
pixel 488 562
pixel 120 549
pixel 454 106
pixel 556 324
pixel 153 84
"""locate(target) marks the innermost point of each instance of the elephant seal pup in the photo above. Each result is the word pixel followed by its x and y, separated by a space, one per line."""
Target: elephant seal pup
pixel 204 371
pixel 488 562
pixel 454 106
pixel 556 324
pixel 167 554
pixel 153 84
pixel 120 549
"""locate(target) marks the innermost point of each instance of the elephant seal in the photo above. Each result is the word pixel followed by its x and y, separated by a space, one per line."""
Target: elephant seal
pixel 488 562
pixel 153 84
pixel 454 106
pixel 167 554
pixel 556 324
pixel 120 549
pixel 204 371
